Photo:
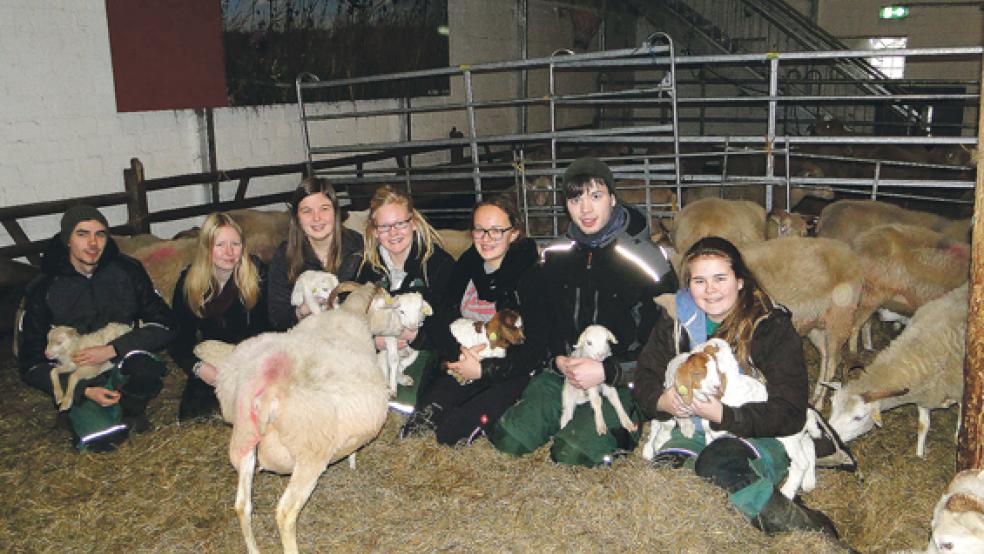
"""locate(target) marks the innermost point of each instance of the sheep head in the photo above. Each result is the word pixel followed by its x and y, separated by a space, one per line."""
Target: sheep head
pixel 853 414
pixel 505 328
pixel 61 341
pixel 593 342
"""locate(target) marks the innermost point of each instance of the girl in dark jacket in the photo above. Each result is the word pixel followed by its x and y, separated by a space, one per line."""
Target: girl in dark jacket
pixel 486 278
pixel 403 253
pixel 723 299
pixel 218 297
pixel 315 240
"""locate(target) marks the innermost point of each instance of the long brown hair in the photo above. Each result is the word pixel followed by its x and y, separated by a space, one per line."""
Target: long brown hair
pixel 296 240
pixel 425 236
pixel 752 303
pixel 201 283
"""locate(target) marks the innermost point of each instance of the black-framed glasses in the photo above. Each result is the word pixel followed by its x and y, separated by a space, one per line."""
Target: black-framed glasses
pixel 399 226
pixel 494 233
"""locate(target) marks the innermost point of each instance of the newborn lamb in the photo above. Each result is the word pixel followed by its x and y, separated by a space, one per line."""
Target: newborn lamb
pixel 63 343
pixel 312 289
pixel 593 343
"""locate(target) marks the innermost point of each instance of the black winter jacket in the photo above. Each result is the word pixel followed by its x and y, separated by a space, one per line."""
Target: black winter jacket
pixel 225 319
pixel 502 286
pixel 575 286
pixel 281 312
pixel 119 290
pixel 776 351
pixel 439 267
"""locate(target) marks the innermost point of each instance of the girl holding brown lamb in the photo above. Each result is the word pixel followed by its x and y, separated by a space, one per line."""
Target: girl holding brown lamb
pixel 487 278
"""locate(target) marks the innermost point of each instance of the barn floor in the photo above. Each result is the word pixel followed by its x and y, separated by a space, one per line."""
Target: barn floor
pixel 172 490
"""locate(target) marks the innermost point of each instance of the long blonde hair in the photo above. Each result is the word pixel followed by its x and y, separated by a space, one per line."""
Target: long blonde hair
pixel 425 236
pixel 201 283
pixel 297 242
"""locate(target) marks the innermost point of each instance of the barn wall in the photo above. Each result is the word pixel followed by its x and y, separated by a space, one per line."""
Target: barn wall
pixel 61 136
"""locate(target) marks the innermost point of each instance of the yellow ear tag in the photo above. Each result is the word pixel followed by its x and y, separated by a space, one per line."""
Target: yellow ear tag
pixel 389 300
pixel 682 389
pixel 493 335
pixel 428 310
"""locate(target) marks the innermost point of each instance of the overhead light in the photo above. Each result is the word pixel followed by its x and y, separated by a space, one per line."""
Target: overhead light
pixel 893 12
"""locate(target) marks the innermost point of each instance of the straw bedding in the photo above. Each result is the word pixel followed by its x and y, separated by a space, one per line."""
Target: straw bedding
pixel 172 490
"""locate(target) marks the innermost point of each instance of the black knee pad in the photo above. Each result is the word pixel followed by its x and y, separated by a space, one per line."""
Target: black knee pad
pixel 145 375
pixel 725 463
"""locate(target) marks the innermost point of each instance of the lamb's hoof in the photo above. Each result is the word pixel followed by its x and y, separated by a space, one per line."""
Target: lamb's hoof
pixel 406 381
pixel 602 430
pixel 631 427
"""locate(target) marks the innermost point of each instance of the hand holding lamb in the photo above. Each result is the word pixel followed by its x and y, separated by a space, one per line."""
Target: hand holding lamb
pixel 593 343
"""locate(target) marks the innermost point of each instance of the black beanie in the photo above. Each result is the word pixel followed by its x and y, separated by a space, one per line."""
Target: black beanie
pixel 586 168
pixel 77 213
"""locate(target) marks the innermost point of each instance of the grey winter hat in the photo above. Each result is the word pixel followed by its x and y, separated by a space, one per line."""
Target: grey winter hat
pixel 77 213
pixel 582 168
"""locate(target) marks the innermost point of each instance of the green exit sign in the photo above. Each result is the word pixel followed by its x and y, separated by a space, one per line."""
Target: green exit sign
pixel 893 12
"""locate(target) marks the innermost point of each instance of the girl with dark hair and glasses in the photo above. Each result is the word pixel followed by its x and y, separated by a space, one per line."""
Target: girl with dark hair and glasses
pixel 458 404
pixel 403 253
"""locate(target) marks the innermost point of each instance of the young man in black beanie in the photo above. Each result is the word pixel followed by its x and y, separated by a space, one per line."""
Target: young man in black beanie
pixel 605 271
pixel 86 283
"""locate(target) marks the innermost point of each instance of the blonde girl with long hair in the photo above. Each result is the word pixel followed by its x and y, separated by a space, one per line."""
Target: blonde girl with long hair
pixel 218 297
pixel 316 240
pixel 403 253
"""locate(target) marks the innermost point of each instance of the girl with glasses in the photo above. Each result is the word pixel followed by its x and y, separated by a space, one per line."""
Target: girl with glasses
pixel 403 253
pixel 486 278
pixel 315 240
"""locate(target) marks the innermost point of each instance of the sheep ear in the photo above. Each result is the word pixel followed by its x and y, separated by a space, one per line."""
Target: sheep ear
pixel 427 310
pixel 611 338
pixel 872 396
pixel 876 414
pixel 832 385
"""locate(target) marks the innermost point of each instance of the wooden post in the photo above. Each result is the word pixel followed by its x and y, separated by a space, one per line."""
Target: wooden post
pixel 136 192
pixel 970 441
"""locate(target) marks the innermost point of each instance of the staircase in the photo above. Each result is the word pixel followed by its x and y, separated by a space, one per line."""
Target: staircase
pixel 743 26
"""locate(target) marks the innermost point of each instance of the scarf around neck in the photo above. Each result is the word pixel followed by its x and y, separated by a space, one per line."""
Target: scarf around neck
pixel 618 221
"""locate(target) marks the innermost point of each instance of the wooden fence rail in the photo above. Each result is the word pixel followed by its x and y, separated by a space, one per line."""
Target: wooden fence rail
pixel 136 187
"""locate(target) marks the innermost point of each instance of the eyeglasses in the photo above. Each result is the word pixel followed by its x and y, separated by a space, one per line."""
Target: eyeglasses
pixel 494 233
pixel 399 226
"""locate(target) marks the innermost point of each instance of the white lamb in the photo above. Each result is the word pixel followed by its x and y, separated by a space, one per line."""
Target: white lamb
pixel 958 518
pixel 312 289
pixel 593 343
pixel 720 374
pixel 922 366
pixel 412 309
pixel 300 400
pixel 63 343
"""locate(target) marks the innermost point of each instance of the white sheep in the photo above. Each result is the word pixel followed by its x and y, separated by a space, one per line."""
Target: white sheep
pixel 300 400
pixel 312 289
pixel 958 518
pixel 593 343
pixel 922 366
pixel 904 267
pixel 412 309
pixel 63 343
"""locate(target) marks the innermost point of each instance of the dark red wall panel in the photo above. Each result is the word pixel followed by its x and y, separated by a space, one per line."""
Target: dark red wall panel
pixel 167 54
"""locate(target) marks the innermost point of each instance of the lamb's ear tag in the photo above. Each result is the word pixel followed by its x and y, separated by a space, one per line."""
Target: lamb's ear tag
pixel 493 335
pixel 389 300
pixel 314 290
pixel 682 389
pixel 428 310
